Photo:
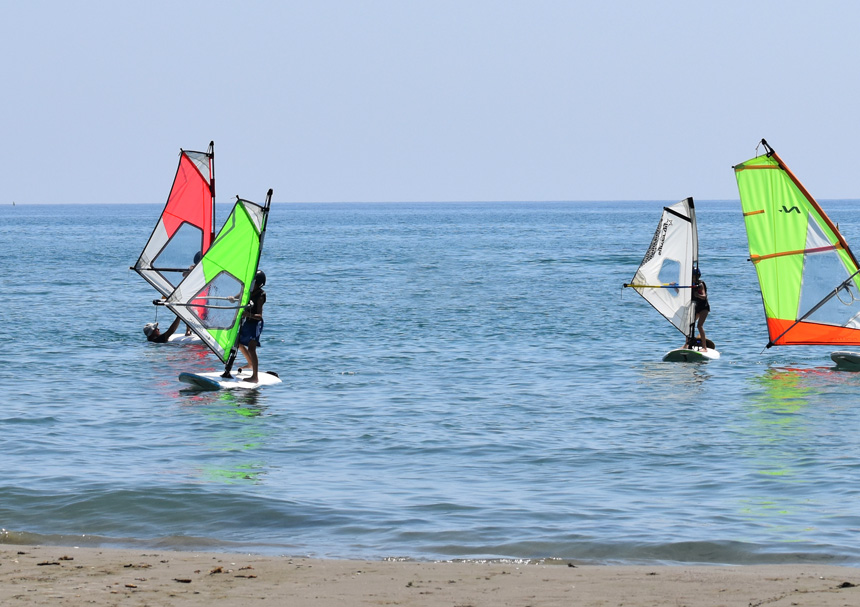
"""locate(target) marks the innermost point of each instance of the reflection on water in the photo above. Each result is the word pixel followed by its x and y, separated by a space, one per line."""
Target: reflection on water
pixel 236 431
pixel 777 396
pixel 243 402
pixel 777 435
pixel 675 380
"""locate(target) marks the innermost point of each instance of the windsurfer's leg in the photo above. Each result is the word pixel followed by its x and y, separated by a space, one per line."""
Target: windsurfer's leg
pixel 251 355
pixel 701 323
pixel 244 351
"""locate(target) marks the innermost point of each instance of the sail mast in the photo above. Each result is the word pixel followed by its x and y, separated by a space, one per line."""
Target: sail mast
pixel 211 153
pixel 694 230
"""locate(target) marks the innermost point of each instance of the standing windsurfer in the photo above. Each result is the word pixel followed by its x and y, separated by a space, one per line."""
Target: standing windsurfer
pixel 700 301
pixel 252 325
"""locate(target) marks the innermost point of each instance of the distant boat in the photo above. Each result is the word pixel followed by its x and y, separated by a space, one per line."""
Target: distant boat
pixel 808 275
pixel 665 277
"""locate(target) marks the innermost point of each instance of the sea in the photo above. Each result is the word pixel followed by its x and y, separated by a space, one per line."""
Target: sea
pixel 461 381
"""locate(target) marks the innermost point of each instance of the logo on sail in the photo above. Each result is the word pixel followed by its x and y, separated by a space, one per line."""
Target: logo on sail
pixel 663 236
pixel 792 209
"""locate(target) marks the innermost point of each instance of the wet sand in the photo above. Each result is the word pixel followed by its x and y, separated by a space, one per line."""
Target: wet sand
pixel 50 575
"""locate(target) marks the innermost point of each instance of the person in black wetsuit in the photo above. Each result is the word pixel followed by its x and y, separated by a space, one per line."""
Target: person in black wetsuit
pixel 252 326
pixel 700 301
pixel 154 334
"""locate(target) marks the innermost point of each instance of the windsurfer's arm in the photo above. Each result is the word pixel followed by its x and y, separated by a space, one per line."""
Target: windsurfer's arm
pixel 170 331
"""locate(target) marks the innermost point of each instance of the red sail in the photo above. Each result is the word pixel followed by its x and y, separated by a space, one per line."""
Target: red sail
pixel 185 228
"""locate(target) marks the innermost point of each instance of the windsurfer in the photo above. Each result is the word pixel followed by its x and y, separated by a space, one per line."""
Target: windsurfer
pixel 252 326
pixel 154 334
pixel 700 301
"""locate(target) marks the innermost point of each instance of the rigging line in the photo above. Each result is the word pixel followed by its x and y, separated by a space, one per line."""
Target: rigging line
pixel 665 286
pixel 231 298
pixel 815 308
pixel 162 302
pixel 210 307
pixel 166 269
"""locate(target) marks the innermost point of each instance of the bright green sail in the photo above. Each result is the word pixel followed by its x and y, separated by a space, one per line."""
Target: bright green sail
pixel 807 273
pixel 211 298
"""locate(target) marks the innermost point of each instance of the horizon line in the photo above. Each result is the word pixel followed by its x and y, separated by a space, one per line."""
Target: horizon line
pixel 553 201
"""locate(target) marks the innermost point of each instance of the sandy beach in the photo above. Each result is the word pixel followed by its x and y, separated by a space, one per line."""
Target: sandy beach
pixel 50 575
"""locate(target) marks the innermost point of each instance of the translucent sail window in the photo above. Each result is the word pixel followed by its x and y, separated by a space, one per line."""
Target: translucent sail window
pixel 216 305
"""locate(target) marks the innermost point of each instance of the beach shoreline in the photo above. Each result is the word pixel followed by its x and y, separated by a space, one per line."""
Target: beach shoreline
pixel 53 575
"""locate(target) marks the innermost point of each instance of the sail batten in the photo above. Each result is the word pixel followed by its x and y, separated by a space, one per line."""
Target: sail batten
pixel 758 258
pixel 807 273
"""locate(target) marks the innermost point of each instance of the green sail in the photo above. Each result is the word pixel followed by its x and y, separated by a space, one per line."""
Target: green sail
pixel 211 298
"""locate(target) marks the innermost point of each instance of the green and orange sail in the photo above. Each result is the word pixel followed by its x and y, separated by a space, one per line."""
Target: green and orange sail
pixel 807 273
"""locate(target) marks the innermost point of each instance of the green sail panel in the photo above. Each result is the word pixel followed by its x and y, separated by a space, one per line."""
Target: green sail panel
pixel 805 269
pixel 211 298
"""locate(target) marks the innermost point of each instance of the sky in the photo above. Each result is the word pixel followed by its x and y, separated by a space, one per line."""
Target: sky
pixel 410 100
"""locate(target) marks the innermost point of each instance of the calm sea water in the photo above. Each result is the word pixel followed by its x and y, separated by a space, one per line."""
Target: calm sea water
pixel 460 381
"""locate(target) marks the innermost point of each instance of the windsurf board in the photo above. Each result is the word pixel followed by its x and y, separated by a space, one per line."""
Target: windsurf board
pixel 212 380
pixel 184 339
pixel 686 355
pixel 848 361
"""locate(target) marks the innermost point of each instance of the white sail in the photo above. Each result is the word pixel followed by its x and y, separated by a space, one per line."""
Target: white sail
pixel 665 275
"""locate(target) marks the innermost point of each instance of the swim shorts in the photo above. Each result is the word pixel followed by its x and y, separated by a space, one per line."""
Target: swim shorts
pixel 251 329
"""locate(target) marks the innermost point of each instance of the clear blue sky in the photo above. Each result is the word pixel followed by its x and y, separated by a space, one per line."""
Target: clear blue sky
pixel 437 100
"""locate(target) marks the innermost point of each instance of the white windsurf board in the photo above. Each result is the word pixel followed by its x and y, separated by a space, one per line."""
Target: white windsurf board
pixel 686 355
pixel 184 339
pixel 212 380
